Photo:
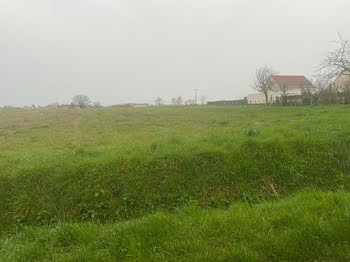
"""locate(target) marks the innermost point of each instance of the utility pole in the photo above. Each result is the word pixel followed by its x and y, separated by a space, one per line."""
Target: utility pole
pixel 195 96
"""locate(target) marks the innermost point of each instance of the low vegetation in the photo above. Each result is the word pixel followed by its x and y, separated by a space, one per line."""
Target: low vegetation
pixel 72 182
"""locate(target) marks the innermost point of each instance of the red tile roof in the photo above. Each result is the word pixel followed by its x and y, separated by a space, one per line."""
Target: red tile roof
pixel 292 80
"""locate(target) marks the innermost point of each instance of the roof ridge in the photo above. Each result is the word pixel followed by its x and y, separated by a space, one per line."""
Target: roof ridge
pixel 289 75
pixel 291 80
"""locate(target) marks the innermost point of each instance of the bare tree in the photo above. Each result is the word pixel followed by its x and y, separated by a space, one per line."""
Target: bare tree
pixel 81 101
pixel 159 101
pixel 321 83
pixel 262 82
pixel 189 102
pixel 203 99
pixel 177 101
pixel 54 105
pixel 324 94
pixel 337 61
pixel 284 96
pixel 97 104
pixel 308 95
pixel 8 107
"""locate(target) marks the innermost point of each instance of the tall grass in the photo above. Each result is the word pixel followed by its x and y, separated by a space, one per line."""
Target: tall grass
pixel 312 226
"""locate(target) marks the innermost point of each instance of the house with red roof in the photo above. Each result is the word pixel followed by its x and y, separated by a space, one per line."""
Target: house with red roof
pixel 282 86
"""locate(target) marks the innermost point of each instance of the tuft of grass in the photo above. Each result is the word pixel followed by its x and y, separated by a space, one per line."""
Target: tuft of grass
pixel 252 132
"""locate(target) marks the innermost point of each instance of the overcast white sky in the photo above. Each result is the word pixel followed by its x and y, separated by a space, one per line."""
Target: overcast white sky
pixel 118 51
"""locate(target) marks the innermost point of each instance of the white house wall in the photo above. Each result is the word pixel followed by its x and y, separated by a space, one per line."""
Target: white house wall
pixel 341 82
pixel 256 99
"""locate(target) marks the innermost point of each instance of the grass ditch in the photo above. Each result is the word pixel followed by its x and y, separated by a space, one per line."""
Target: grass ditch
pixel 310 226
pixel 108 190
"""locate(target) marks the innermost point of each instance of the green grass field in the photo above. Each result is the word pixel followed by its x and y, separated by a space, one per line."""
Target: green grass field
pixel 249 183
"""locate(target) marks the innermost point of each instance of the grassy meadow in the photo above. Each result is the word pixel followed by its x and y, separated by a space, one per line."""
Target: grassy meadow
pixel 245 183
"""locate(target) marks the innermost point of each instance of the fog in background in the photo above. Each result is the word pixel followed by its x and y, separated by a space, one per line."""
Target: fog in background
pixel 118 51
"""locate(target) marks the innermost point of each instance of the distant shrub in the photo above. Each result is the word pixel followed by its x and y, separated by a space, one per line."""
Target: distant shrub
pixel 154 147
pixel 223 123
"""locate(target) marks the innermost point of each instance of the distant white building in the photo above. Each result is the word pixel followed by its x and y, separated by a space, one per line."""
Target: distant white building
pixel 130 105
pixel 293 86
pixel 342 82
